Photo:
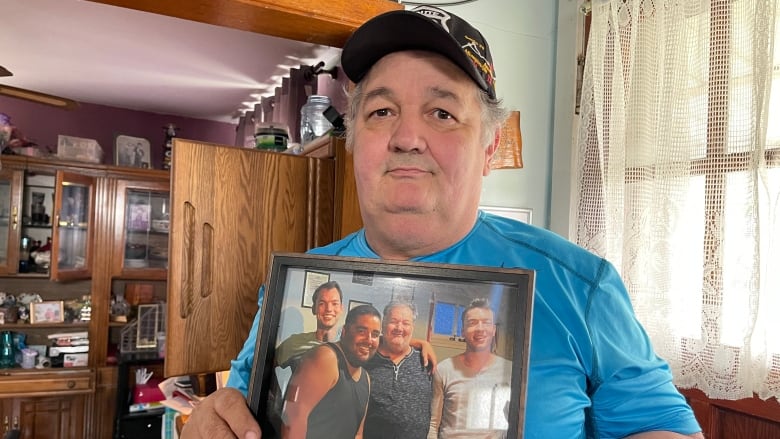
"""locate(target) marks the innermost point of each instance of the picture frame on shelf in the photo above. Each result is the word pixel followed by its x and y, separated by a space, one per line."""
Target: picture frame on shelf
pixel 51 311
pixel 139 217
pixel 134 152
pixel 442 292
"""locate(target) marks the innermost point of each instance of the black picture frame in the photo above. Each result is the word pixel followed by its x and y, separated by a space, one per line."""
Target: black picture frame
pixel 511 290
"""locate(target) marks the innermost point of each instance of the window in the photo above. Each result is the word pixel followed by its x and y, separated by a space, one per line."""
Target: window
pixel 679 185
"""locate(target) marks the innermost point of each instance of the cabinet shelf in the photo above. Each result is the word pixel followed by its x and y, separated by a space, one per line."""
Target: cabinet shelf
pixel 34 226
pixel 27 326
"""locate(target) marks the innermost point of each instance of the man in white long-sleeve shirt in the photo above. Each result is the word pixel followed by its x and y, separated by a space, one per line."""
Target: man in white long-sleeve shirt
pixel 471 390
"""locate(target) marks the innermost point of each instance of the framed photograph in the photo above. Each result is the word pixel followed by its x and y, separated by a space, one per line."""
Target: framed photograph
pixel 356 303
pixel 134 152
pixel 313 279
pixel 444 295
pixel 139 217
pixel 518 213
pixel 47 312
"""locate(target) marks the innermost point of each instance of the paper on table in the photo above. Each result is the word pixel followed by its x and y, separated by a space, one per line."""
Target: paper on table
pixel 177 398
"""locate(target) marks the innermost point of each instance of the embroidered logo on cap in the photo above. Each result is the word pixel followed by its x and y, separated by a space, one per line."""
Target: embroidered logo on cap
pixel 472 46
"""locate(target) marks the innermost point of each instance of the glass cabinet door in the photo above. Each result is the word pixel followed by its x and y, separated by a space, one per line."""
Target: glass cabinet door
pixel 145 221
pixel 10 219
pixel 74 199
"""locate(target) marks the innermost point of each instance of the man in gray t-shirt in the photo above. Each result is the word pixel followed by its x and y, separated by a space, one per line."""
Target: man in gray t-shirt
pixel 471 390
pixel 399 406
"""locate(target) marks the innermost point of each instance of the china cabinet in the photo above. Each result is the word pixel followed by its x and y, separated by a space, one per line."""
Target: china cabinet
pixel 90 210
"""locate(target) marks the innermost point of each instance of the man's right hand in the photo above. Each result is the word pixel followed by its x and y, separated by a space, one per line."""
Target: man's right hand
pixel 223 414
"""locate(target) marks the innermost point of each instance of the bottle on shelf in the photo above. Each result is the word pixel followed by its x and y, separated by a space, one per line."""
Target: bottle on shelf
pixel 313 121
pixel 24 254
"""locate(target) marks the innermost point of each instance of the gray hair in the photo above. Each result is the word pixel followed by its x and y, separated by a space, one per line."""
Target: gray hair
pixel 395 304
pixel 493 114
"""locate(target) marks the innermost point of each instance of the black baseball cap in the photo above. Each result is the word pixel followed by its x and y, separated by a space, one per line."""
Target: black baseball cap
pixel 422 28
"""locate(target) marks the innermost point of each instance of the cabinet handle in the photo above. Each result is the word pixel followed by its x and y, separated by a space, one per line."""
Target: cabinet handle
pixel 71 384
pixel 15 220
pixel 188 261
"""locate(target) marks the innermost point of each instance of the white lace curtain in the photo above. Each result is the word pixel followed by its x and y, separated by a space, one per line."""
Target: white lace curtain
pixel 679 180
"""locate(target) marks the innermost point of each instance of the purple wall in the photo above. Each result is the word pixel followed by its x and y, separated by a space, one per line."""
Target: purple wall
pixel 42 124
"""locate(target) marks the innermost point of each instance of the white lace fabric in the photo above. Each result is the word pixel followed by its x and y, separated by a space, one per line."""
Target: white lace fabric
pixel 679 180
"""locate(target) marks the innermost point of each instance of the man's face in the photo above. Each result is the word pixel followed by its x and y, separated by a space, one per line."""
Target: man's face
pixel 417 155
pixel 479 329
pixel 360 339
pixel 398 327
pixel 328 309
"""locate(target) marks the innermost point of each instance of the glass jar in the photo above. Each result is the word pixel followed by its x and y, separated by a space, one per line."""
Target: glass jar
pixel 313 122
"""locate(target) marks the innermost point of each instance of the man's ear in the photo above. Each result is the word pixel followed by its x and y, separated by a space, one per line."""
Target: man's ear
pixel 490 151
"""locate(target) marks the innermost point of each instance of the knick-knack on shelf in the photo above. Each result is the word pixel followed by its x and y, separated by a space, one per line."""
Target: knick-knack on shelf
pixel 170 133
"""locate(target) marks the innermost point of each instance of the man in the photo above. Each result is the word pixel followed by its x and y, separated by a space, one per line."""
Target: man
pixel 399 406
pixel 471 390
pixel 423 123
pixel 327 308
pixel 328 394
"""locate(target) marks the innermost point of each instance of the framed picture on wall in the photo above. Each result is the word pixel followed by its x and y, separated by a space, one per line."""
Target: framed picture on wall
pixel 134 152
pixel 444 296
pixel 313 280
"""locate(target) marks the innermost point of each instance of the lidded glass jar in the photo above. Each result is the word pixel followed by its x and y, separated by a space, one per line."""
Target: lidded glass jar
pixel 313 122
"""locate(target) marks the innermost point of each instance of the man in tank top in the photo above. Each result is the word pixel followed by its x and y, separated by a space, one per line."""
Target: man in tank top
pixel 328 394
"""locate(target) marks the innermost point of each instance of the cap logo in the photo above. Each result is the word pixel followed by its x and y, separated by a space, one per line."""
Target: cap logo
pixel 437 15
pixel 473 46
pixel 474 50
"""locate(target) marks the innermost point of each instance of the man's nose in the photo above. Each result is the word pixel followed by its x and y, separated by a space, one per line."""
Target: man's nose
pixel 408 134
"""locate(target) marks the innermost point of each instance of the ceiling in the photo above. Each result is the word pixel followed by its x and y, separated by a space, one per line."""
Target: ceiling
pixel 108 55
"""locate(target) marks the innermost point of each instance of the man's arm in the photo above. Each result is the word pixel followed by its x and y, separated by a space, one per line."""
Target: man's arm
pixel 437 405
pixel 314 377
pixel 359 434
pixel 428 355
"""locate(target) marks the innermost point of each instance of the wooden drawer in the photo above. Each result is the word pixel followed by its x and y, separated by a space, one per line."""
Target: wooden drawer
pixel 49 382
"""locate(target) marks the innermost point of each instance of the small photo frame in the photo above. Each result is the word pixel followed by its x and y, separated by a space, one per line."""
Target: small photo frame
pixel 519 213
pixel 134 152
pixel 313 279
pixel 139 217
pixel 441 296
pixel 47 312
pixel 356 303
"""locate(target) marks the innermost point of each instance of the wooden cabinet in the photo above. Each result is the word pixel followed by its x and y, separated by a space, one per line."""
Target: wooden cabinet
pixel 48 405
pixel 88 258
pixel 231 208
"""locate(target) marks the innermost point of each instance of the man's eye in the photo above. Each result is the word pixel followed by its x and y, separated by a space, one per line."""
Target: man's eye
pixel 382 112
pixel 441 114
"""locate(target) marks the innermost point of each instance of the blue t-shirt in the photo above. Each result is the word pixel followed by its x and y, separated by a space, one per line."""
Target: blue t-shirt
pixel 593 372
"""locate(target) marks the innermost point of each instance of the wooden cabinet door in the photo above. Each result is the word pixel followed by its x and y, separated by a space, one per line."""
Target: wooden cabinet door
pixel 55 417
pixel 10 219
pixel 152 241
pixel 74 201
pixel 230 208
